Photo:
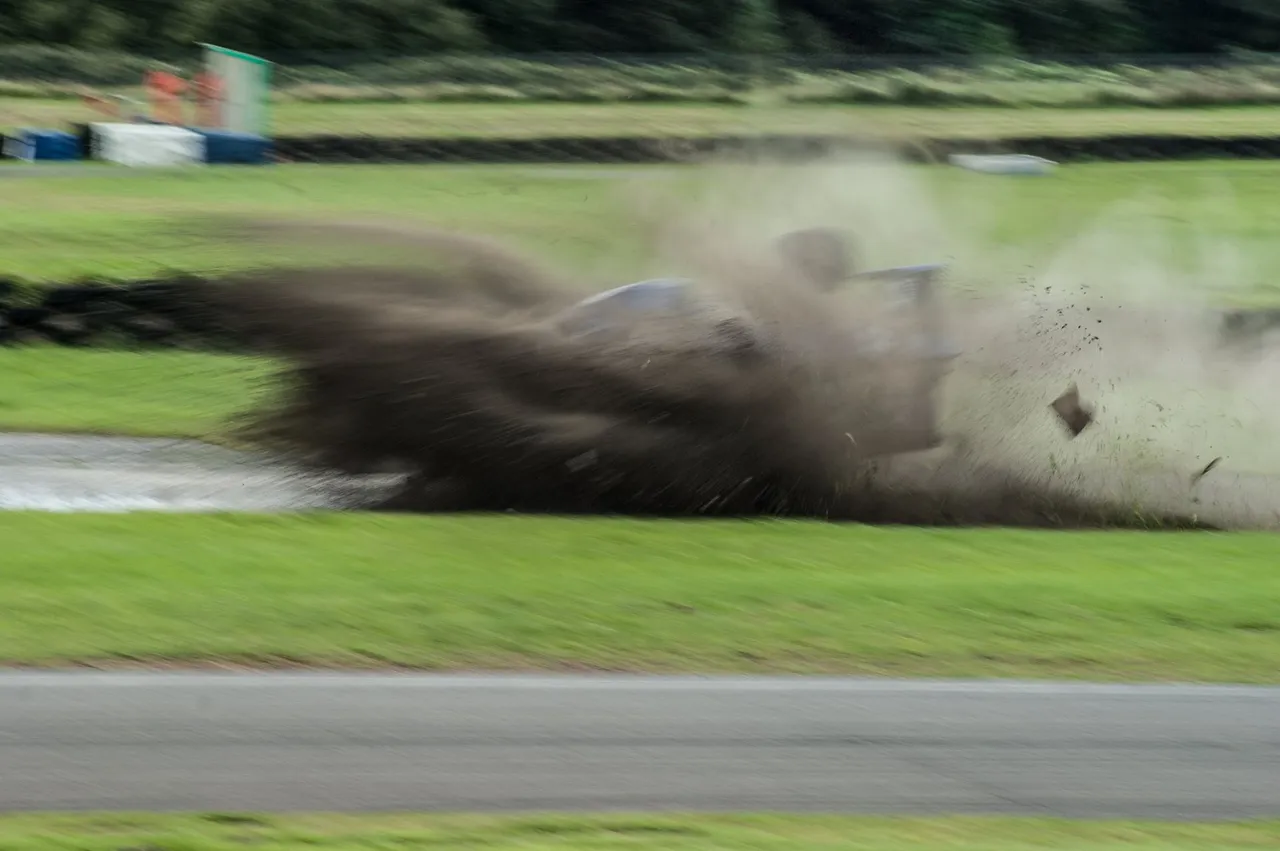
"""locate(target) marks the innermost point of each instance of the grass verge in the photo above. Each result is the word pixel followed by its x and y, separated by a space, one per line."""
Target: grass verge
pixel 534 120
pixel 161 394
pixel 107 221
pixel 213 832
pixel 511 593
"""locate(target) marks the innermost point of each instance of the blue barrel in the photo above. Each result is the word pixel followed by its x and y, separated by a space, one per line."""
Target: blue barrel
pixel 37 144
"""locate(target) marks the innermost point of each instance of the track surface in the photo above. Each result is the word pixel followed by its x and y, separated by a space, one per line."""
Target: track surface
pixel 388 742
pixel 283 742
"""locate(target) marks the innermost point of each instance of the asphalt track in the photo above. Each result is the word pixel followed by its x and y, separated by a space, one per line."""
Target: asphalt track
pixel 358 742
pixel 280 742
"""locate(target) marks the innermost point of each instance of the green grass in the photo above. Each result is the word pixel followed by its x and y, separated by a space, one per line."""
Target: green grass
pixel 128 223
pixel 511 593
pixel 533 120
pixel 167 394
pixel 216 832
pixel 110 221
pixel 563 594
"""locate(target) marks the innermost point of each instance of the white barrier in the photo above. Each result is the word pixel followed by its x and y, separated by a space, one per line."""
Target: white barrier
pixel 1003 163
pixel 147 145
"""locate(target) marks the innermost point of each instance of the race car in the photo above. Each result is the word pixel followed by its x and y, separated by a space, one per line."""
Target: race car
pixel 906 345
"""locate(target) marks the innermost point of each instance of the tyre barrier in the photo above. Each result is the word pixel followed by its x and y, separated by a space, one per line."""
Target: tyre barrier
pixel 648 150
pixel 640 150
pixel 171 311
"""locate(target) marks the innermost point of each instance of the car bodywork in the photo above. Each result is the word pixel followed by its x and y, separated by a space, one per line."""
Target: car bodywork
pixel 907 343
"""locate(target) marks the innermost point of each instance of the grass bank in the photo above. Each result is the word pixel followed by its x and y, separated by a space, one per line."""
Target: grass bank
pixel 424 119
pixel 511 593
pixel 215 832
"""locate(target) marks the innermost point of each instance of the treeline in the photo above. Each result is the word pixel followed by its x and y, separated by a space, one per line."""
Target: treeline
pixel 281 28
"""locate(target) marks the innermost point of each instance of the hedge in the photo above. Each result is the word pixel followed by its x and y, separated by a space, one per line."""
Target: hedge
pixel 46 70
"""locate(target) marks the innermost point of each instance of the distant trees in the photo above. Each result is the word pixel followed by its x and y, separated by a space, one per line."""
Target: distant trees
pixel 923 27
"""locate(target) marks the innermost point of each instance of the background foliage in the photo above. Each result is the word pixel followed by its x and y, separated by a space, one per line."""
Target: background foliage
pixel 883 27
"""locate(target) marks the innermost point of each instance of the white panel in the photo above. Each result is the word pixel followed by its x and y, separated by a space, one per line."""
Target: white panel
pixel 147 144
pixel 244 91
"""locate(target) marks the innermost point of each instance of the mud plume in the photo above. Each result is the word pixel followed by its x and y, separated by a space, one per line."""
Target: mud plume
pixel 491 407
pixel 456 376
pixel 451 367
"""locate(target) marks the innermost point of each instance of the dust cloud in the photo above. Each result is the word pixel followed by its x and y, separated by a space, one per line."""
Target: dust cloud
pixel 455 373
